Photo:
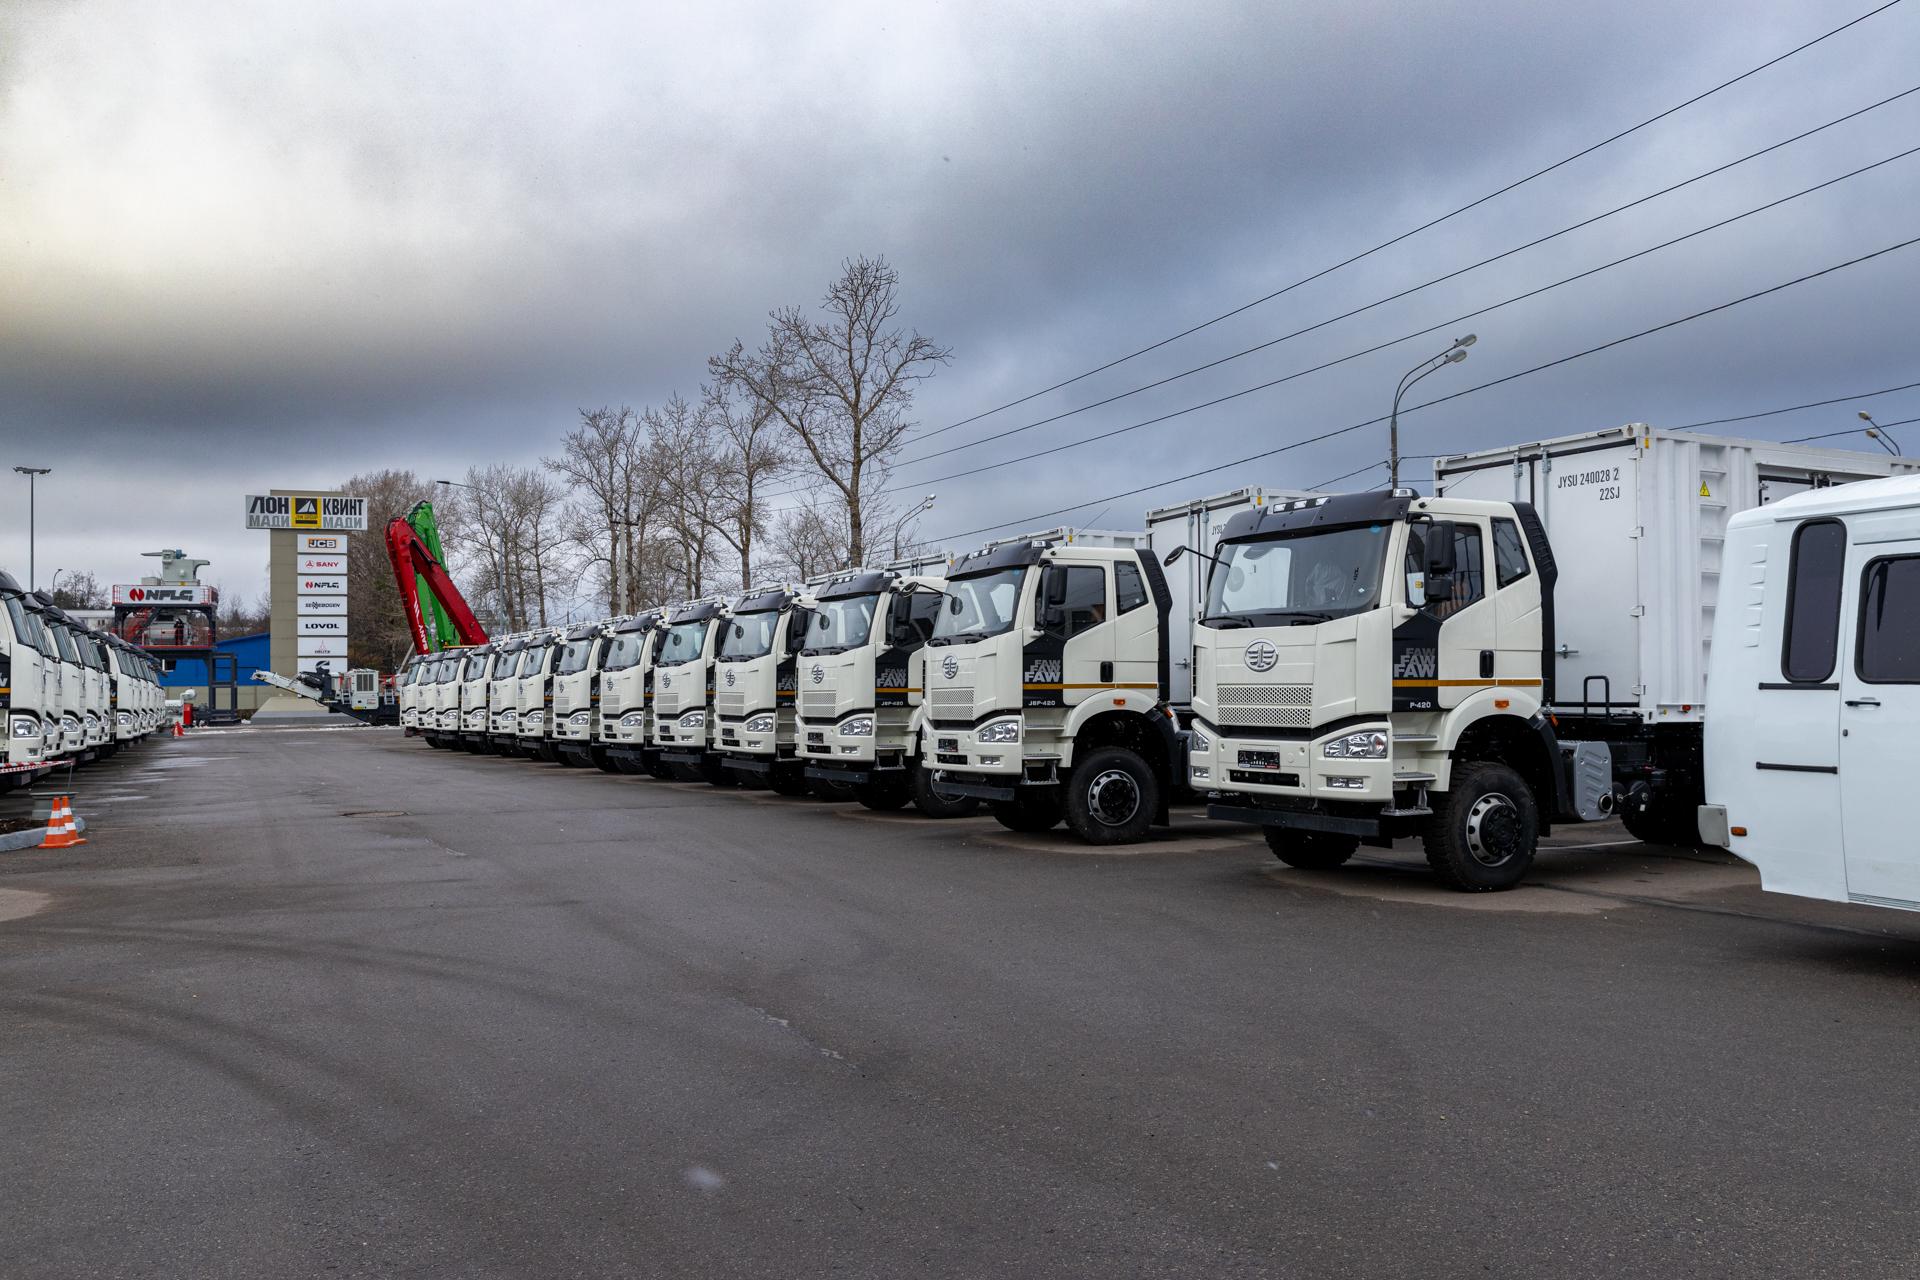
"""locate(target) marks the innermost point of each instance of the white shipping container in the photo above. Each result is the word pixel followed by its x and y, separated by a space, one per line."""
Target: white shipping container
pixel 1197 524
pixel 1638 518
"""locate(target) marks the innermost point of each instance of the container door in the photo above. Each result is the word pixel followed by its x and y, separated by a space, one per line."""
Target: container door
pixel 1880 711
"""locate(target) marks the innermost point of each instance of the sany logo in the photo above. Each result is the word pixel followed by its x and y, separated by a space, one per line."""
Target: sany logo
pixel 950 667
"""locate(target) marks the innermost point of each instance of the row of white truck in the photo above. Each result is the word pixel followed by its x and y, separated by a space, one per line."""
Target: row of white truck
pixel 68 694
pixel 1531 644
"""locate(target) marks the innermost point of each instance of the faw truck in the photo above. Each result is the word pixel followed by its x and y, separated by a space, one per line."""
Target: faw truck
pixel 683 732
pixel 861 674
pixel 625 686
pixel 753 682
pixel 1528 645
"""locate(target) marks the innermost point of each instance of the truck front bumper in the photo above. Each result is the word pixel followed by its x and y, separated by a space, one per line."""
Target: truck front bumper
pixel 1284 769
pixel 576 726
pixel 987 749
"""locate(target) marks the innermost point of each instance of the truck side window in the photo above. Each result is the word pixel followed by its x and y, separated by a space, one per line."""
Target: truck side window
pixel 1509 552
pixel 1469 574
pixel 1889 648
pixel 1812 632
pixel 1086 603
pixel 1129 590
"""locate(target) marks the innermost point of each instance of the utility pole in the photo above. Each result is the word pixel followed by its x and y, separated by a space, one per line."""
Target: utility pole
pixel 1452 355
pixel 31 473
pixel 925 505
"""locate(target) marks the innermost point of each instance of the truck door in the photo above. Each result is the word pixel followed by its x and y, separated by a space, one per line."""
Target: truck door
pixel 1880 709
pixel 1448 649
pixel 1073 655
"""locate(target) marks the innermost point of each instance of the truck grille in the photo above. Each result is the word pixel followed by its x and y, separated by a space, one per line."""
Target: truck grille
pixel 667 703
pixel 1274 706
pixel 817 704
pixel 730 704
pixel 949 703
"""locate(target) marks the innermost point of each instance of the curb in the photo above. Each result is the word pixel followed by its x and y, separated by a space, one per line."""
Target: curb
pixel 29 839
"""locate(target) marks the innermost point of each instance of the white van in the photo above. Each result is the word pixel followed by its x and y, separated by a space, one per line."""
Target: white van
pixel 1815 679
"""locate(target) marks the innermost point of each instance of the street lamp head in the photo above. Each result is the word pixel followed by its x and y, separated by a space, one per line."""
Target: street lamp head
pixel 1865 416
pixel 34 471
pixel 1455 357
pixel 928 504
pixel 1467 341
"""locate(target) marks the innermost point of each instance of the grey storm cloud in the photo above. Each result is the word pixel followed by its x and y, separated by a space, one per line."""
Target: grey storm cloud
pixel 266 246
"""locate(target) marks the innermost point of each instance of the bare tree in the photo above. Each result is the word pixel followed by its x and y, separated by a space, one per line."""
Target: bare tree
pixel 744 441
pixel 842 384
pixel 685 462
pixel 511 524
pixel 809 541
pixel 81 590
pixel 614 496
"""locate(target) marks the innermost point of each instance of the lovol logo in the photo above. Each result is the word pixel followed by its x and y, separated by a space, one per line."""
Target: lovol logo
pixel 1261 655
pixel 819 673
pixel 950 667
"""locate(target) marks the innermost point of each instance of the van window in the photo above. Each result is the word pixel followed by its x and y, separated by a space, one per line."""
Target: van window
pixel 1889 648
pixel 1812 633
pixel 1129 591
pixel 1509 552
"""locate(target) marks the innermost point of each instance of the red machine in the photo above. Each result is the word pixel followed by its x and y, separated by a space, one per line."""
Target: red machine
pixel 411 557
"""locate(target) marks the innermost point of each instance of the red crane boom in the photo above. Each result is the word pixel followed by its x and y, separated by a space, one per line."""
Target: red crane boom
pixel 410 557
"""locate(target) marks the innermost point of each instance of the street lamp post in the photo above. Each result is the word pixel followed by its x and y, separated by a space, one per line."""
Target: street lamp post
pixel 506 609
pixel 925 505
pixel 1877 432
pixel 31 473
pixel 1454 354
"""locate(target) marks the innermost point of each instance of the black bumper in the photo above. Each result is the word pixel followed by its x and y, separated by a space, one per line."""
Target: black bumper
pixel 682 757
pixel 756 765
pixel 949 787
pixel 1378 829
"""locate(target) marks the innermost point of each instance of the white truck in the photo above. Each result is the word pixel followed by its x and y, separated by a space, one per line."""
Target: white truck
pixel 1527 646
pixel 626 695
pixel 1815 672
pixel 475 681
pixel 66 696
pixel 683 691
pixel 26 651
pixel 753 686
pixel 576 692
pixel 409 685
pixel 533 733
pixel 861 675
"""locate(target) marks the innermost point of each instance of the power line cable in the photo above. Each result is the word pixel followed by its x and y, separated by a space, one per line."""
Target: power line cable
pixel 1408 337
pixel 1427 404
pixel 1407 292
pixel 1425 226
pixel 1850 431
pixel 1795 408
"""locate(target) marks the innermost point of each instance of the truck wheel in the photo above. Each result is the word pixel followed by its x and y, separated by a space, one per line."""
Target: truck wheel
pixel 1030 811
pixel 1663 823
pixel 938 806
pixel 832 789
pixel 1311 850
pixel 717 774
pixel 1484 830
pixel 883 797
pixel 602 761
pixel 1112 797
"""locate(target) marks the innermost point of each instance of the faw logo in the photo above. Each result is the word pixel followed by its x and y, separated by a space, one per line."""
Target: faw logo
pixel 729 677
pixel 1043 671
pixel 819 673
pixel 950 666
pixel 1261 655
pixel 1416 664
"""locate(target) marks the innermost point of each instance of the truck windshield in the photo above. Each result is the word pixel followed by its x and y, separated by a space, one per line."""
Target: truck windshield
pixel 980 606
pixel 533 661
pixel 573 658
pixel 839 625
pixel 1316 576
pixel 749 635
pixel 64 642
pixel 17 615
pixel 623 651
pixel 477 665
pixel 682 643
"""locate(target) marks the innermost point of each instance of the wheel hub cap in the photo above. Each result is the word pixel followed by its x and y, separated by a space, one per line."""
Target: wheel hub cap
pixel 1113 798
pixel 1493 830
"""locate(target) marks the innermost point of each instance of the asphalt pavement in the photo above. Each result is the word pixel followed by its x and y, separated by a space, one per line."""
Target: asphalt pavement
pixel 334 1003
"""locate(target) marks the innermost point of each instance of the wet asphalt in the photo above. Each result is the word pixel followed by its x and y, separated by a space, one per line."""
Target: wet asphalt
pixel 333 1003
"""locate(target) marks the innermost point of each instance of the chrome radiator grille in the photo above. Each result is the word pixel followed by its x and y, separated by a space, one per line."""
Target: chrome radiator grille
pixel 730 704
pixel 817 704
pixel 1273 706
pixel 950 703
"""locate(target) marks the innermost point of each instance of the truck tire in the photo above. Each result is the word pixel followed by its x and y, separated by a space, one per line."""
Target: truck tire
pixel 602 761
pixel 1484 830
pixel 1311 850
pixel 1030 811
pixel 883 796
pixel 789 781
pixel 1663 822
pixel 1112 796
pixel 832 789
pixel 938 806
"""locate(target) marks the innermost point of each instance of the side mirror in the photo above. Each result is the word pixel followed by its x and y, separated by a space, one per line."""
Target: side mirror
pixel 1173 555
pixel 1053 599
pixel 1440 557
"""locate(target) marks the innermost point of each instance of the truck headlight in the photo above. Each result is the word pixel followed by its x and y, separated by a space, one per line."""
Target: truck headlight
pixel 758 724
pixel 578 717
pixel 122 717
pixel 633 719
pixel 1198 740
pixel 999 731
pixel 535 717
pixel 693 720
pixel 1357 746
pixel 857 727
pixel 25 728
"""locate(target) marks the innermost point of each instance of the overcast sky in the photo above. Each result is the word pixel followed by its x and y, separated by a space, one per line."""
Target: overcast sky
pixel 255 246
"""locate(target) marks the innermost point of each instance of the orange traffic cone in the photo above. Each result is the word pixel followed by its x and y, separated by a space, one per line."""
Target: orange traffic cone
pixel 62 831
pixel 179 730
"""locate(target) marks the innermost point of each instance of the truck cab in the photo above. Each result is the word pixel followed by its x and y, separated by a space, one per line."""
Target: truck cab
pixel 534 730
pixel 626 694
pixel 1046 679
pixel 503 694
pixel 683 691
pixel 1374 665
pixel 1815 672
pixel 408 683
pixel 476 669
pixel 440 709
pixel 97 710
pixel 65 682
pixel 753 684
pixel 861 677
pixel 22 684
pixel 576 691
